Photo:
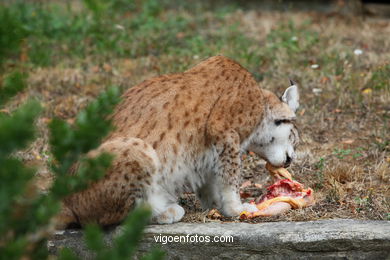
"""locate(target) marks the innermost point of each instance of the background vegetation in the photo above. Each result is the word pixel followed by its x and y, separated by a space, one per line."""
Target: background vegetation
pixel 72 50
pixel 27 214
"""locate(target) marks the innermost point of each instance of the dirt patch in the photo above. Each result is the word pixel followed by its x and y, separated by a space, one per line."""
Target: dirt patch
pixel 343 77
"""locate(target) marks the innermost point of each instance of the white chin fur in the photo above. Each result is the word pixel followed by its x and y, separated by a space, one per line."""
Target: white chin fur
pixel 274 152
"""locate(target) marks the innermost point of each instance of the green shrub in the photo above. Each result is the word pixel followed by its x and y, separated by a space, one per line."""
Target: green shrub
pixel 26 216
pixel 12 33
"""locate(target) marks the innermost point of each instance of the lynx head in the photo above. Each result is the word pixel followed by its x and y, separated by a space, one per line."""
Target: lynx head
pixel 277 136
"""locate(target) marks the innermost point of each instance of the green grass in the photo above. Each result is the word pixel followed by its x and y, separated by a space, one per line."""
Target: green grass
pixel 54 31
pixel 380 79
pixel 74 49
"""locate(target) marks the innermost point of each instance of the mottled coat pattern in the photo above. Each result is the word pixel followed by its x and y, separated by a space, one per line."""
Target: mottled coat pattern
pixel 178 132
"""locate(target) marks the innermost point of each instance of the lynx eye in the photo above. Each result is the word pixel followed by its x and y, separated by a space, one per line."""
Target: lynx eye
pixel 278 122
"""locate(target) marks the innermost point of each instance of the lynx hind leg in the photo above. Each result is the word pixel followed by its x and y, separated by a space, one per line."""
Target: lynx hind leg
pixel 134 168
pixel 144 164
pixel 127 150
pixel 173 213
pixel 165 209
pixel 109 200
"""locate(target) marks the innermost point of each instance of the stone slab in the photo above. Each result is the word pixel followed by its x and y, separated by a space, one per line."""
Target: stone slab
pixel 324 239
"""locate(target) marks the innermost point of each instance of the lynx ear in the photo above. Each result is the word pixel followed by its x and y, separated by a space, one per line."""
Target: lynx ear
pixel 291 96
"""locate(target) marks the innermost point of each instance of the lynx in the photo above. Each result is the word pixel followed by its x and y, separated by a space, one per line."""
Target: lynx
pixel 187 131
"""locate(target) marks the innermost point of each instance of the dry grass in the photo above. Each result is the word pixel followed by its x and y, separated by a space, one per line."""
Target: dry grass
pixel 343 119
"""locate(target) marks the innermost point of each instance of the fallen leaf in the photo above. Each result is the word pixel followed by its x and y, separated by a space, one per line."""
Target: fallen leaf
pixel 46 120
pixel 337 110
pixel 348 141
pixel 324 80
pixel 180 35
pixel 70 121
pixel 5 111
pixel 214 214
pixel 95 69
pixel 302 112
pixel 251 153
pixel 367 91
pixel 315 66
pixel 119 27
pixel 24 54
pixel 358 52
pixel 379 140
pixel 107 67
pixel 317 91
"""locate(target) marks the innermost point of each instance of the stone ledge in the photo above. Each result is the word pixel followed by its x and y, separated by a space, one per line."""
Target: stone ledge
pixel 324 239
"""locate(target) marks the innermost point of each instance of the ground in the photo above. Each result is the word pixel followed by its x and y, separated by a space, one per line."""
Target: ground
pixel 341 63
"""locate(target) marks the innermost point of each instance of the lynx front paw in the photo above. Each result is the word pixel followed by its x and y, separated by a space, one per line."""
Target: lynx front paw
pixel 235 210
pixel 232 210
pixel 249 207
pixel 173 214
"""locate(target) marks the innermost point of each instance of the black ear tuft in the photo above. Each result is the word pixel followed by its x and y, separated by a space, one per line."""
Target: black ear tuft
pixel 292 82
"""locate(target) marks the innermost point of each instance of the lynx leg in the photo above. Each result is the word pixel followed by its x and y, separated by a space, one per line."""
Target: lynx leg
pixel 228 175
pixel 165 209
pixel 173 213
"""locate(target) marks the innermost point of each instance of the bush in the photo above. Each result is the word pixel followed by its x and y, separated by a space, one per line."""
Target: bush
pixel 11 31
pixel 26 216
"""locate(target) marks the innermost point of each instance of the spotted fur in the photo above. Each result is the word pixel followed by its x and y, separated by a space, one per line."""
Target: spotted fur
pixel 187 131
